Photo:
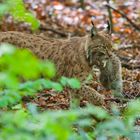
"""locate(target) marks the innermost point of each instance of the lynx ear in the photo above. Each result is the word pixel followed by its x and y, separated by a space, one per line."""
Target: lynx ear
pixel 90 56
pixel 93 30
pixel 108 27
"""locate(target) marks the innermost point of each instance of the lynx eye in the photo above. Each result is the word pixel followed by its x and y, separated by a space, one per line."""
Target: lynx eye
pixel 101 53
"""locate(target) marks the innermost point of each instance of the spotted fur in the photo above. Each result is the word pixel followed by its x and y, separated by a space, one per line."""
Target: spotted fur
pixel 75 57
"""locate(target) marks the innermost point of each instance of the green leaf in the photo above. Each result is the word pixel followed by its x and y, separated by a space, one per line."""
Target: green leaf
pixel 17 9
pixel 51 85
pixel 48 69
pixel 17 107
pixel 57 86
pixel 72 82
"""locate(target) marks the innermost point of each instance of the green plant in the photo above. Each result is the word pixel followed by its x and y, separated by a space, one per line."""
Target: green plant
pixel 19 76
pixel 80 124
pixel 20 73
pixel 17 10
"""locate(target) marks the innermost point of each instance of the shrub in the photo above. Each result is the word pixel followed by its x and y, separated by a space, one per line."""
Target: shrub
pixel 17 9
pixel 19 76
pixel 20 73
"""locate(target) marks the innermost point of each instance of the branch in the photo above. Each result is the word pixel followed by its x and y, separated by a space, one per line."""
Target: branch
pixel 124 15
pixel 128 66
pixel 110 16
pixel 53 30
pixel 117 100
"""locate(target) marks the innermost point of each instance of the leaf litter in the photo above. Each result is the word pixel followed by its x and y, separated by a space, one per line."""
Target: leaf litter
pixel 69 18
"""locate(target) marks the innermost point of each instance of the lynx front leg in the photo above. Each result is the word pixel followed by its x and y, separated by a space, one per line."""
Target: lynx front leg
pixel 89 94
pixel 92 95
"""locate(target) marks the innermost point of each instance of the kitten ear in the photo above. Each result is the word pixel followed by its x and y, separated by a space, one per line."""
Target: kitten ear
pixel 93 30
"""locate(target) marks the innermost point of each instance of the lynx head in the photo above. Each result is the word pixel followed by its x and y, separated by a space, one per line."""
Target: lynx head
pixel 99 53
pixel 98 44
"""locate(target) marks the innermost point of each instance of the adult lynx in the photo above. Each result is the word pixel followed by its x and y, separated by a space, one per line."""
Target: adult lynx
pixel 75 57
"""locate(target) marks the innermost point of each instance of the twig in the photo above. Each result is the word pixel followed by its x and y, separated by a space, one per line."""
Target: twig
pixel 128 66
pixel 53 30
pixel 129 47
pixel 124 15
pixel 117 100
pixel 110 16
pixel 82 4
pixel 126 47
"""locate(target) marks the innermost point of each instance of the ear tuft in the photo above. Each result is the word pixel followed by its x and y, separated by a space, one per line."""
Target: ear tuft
pixel 108 27
pixel 92 23
pixel 93 30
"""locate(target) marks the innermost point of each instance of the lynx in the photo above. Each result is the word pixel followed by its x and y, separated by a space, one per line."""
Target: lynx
pixel 75 57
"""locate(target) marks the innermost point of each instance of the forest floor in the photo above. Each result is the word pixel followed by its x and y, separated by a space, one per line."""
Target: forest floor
pixel 67 19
